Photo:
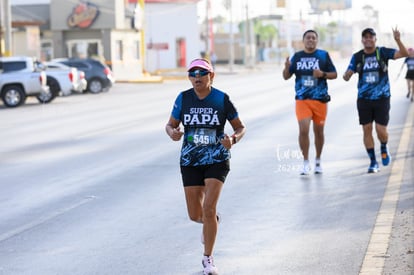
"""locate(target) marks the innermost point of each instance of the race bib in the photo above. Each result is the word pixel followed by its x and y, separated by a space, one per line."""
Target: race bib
pixel 371 77
pixel 202 136
pixel 309 81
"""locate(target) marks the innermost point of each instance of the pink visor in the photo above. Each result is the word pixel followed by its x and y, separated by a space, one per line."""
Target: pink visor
pixel 200 63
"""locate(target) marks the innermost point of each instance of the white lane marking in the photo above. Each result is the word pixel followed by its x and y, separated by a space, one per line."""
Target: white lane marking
pixel 43 219
pixel 114 128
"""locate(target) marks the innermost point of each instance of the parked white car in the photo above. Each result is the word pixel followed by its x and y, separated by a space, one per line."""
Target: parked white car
pixel 83 83
pixel 68 79
pixel 98 75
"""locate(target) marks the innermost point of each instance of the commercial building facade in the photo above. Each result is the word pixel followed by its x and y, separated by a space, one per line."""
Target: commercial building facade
pixel 130 37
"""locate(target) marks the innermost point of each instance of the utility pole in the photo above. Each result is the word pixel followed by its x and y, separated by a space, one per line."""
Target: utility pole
pixel 208 29
pixel 252 40
pixel 211 34
pixel 229 7
pixel 7 25
pixel 1 27
pixel 245 35
pixel 142 48
pixel 289 28
pixel 231 38
pixel 249 39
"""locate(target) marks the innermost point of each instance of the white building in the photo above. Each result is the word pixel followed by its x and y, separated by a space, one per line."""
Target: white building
pixel 171 33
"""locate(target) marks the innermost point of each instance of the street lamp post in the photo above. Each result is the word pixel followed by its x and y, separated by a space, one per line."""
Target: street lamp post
pixel 5 28
pixel 1 27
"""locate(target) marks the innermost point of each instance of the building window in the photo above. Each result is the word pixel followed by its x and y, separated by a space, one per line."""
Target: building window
pixel 119 50
pixel 135 50
pixel 46 51
pixel 93 49
pixel 84 48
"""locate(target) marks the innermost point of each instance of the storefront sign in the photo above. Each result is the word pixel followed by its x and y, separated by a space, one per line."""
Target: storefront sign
pixel 83 15
pixel 157 46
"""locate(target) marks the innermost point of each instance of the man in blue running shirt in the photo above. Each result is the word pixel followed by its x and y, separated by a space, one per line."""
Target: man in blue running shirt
pixel 373 104
pixel 312 67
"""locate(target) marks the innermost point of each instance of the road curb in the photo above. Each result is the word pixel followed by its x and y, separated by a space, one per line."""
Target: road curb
pixel 144 79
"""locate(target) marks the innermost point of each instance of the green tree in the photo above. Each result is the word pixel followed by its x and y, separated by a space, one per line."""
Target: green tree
pixel 327 34
pixel 265 33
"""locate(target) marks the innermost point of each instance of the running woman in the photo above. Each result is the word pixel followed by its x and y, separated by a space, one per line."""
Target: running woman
pixel 373 103
pixel 205 154
pixel 312 67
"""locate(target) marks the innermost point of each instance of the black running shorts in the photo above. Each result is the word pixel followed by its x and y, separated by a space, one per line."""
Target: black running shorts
pixel 374 110
pixel 195 175
pixel 410 75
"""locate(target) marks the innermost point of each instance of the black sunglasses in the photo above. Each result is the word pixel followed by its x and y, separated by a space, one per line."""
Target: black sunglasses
pixel 200 73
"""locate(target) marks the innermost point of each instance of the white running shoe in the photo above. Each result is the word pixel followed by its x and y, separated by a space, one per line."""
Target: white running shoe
pixel 318 168
pixel 218 215
pixel 208 265
pixel 305 168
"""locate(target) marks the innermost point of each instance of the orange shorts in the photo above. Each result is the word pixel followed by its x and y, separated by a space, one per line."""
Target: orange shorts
pixel 313 109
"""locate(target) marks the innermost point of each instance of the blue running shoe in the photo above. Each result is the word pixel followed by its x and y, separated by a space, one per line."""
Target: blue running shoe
pixel 385 157
pixel 373 168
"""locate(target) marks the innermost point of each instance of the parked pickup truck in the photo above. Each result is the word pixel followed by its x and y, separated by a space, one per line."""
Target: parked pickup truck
pixel 20 78
pixel 63 79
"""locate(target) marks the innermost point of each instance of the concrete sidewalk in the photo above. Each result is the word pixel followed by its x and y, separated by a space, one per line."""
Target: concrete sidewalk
pixel 181 73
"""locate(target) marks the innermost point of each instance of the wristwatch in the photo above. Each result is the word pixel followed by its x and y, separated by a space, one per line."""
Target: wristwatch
pixel 324 75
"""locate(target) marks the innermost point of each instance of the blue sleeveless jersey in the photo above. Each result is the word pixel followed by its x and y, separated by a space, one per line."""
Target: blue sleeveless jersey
pixel 409 61
pixel 302 65
pixel 204 121
pixel 373 82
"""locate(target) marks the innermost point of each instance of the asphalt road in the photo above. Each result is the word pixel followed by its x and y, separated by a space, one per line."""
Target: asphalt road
pixel 90 184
